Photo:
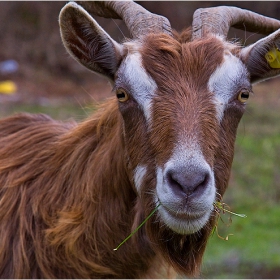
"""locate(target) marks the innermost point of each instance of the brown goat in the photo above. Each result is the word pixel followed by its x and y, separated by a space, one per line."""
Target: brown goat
pixel 70 193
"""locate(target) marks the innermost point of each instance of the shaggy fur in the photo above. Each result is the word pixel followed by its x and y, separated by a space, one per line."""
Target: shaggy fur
pixel 67 196
pixel 61 210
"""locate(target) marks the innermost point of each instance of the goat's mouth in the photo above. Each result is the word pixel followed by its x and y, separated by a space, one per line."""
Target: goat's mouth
pixel 184 222
pixel 186 193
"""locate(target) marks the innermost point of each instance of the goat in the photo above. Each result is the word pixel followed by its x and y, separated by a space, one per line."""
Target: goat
pixel 71 192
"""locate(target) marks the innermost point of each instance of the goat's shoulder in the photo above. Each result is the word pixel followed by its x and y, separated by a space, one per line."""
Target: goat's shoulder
pixel 23 122
pixel 29 134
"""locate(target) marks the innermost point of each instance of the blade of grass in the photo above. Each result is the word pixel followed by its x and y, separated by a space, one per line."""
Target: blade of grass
pixel 150 215
pixel 221 207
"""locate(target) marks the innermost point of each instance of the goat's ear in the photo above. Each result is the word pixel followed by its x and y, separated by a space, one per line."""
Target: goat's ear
pixel 87 42
pixel 263 58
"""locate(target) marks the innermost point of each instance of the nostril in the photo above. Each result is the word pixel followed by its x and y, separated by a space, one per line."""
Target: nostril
pixel 202 183
pixel 188 183
pixel 173 182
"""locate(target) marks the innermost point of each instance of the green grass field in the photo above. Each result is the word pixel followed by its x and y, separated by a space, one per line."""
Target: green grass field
pixel 253 251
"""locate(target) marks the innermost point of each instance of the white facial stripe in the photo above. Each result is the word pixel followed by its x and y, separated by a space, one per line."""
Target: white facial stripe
pixel 141 85
pixel 225 81
pixel 139 174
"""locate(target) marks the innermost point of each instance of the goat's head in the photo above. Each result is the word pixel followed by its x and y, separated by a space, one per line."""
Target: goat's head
pixel 181 101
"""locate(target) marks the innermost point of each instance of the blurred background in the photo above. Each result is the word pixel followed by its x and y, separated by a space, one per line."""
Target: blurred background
pixel 37 75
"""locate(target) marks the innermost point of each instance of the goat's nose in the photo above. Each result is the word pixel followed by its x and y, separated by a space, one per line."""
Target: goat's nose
pixel 188 183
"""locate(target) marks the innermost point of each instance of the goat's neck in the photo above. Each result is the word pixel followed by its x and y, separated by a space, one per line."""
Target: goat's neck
pixel 94 158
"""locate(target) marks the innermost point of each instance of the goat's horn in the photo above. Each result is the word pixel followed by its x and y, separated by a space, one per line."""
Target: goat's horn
pixel 138 20
pixel 218 20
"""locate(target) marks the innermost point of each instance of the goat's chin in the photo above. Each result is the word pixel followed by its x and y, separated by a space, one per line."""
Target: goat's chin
pixel 184 223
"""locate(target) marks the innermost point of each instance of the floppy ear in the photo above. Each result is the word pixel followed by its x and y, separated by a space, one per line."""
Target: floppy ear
pixel 263 58
pixel 87 42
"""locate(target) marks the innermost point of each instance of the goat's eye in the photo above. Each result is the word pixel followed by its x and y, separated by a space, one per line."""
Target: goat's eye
pixel 243 96
pixel 122 95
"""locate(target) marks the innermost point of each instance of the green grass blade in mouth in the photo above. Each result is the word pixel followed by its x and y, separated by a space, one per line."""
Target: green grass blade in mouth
pixel 221 206
pixel 150 215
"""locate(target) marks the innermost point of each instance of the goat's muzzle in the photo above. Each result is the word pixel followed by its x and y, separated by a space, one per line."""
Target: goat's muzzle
pixel 186 191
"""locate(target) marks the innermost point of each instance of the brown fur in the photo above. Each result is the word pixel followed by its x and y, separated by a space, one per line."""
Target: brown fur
pixel 67 197
pixel 187 110
pixel 61 210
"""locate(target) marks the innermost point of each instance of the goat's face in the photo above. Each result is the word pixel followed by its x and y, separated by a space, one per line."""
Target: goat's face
pixel 176 106
pixel 181 104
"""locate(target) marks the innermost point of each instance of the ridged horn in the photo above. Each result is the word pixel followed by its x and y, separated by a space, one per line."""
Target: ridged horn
pixel 218 20
pixel 138 20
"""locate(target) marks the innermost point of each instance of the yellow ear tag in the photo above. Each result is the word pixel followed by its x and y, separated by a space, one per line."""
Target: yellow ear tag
pixel 273 58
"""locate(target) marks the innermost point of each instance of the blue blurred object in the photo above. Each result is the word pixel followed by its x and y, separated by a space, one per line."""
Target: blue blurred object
pixel 8 66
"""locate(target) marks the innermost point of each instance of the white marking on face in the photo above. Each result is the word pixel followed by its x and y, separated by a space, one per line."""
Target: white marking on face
pixel 226 80
pixel 139 174
pixel 141 86
pixel 183 214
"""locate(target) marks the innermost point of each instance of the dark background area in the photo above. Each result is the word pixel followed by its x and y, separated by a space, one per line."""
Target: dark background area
pixel 29 34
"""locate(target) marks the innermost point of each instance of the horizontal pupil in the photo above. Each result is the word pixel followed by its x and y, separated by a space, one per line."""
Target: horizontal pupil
pixel 121 95
pixel 244 95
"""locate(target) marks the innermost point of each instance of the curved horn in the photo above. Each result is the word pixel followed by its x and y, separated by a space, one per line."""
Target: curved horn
pixel 138 20
pixel 218 20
